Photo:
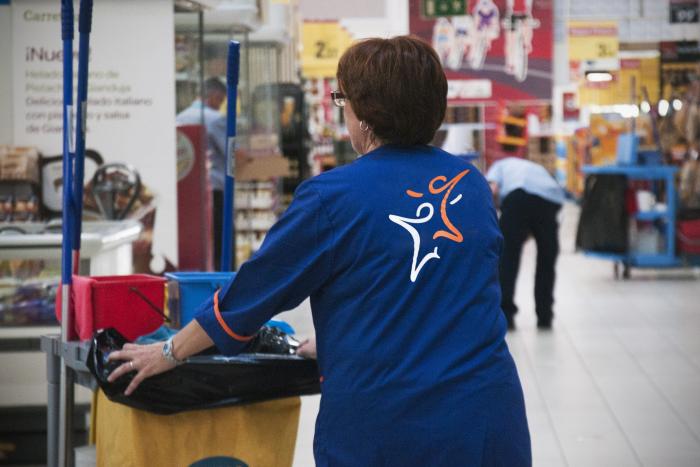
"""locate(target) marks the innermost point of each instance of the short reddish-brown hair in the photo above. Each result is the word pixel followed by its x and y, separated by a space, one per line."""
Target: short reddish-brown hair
pixel 397 86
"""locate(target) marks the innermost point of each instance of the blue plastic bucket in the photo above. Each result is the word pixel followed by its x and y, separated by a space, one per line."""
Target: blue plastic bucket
pixel 187 290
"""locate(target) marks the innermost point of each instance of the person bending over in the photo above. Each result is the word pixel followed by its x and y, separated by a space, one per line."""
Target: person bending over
pixel 530 199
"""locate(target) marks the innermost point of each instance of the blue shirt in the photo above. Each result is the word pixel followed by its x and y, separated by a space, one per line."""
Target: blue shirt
pixel 399 253
pixel 215 123
pixel 513 173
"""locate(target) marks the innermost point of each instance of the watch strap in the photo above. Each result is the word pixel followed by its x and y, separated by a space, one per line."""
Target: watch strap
pixel 168 351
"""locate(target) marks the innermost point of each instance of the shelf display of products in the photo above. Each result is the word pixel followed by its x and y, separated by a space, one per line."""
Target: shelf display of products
pixel 30 268
pixel 325 123
pixel 28 292
pixel 256 204
pixel 679 67
pixel 679 125
pixel 19 184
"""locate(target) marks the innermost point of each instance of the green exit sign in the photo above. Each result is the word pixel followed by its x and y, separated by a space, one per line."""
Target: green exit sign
pixel 436 8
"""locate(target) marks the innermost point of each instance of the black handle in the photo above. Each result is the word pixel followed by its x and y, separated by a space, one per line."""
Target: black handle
pixel 67 19
pixel 153 306
pixel 85 20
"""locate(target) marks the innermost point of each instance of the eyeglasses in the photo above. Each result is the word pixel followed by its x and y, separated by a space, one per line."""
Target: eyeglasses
pixel 338 98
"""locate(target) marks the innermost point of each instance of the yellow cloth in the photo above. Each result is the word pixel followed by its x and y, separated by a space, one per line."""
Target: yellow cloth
pixel 260 435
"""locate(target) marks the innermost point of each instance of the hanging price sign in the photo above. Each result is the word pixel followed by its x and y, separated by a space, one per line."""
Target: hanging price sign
pixel 590 40
pixel 323 44
pixel 684 11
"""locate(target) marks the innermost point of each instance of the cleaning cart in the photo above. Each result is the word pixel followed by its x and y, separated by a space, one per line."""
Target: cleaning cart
pixel 638 228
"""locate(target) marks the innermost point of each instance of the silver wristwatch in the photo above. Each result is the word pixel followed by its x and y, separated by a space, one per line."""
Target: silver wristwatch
pixel 168 350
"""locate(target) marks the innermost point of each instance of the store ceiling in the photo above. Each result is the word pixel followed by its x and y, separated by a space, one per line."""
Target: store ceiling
pixel 335 9
pixel 219 15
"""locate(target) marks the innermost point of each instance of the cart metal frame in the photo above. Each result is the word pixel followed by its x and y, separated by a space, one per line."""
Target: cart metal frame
pixel 665 259
pixel 73 355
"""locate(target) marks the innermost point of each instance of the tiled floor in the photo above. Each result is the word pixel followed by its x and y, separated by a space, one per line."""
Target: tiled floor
pixel 615 383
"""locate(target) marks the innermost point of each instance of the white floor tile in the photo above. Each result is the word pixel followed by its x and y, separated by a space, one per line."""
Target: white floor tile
pixel 591 438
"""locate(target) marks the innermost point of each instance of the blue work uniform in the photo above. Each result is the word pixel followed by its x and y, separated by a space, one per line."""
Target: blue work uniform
pixel 399 254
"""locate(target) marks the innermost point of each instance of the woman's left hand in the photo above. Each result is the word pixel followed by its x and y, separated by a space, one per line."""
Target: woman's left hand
pixel 307 349
pixel 146 360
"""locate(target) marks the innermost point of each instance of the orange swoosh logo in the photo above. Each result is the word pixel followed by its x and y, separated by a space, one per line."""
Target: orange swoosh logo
pixel 447 187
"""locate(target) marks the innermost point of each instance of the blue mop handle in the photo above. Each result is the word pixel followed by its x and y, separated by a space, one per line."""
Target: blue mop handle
pixel 234 59
pixel 84 27
pixel 67 35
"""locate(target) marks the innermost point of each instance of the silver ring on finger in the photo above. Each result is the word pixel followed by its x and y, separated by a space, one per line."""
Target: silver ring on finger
pixel 131 365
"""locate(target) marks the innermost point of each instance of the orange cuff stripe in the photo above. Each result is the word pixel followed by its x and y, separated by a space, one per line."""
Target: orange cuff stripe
pixel 223 324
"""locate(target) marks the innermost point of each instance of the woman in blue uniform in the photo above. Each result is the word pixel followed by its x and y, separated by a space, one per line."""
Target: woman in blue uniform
pixel 399 253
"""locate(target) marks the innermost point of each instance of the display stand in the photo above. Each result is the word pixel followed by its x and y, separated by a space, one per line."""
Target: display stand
pixel 107 250
pixel 665 259
pixel 106 245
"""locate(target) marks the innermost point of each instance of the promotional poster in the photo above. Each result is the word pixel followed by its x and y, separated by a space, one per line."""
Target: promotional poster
pixel 130 115
pixel 490 49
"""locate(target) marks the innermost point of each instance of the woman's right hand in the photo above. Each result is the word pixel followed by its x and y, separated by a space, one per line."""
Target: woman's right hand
pixel 146 360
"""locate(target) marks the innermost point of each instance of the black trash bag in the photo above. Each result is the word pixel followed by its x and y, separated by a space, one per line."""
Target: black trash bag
pixel 270 339
pixel 604 222
pixel 208 381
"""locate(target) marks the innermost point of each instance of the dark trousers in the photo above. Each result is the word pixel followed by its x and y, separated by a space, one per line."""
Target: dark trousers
pixel 523 214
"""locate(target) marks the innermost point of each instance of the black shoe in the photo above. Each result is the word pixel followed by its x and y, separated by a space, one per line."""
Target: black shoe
pixel 510 320
pixel 544 323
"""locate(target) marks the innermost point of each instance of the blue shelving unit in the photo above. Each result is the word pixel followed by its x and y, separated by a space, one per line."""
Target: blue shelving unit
pixel 667 258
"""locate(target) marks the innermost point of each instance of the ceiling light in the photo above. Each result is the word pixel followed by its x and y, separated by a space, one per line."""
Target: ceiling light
pixel 598 76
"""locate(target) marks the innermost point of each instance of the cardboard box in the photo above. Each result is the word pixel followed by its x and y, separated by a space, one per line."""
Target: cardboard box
pixel 260 167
